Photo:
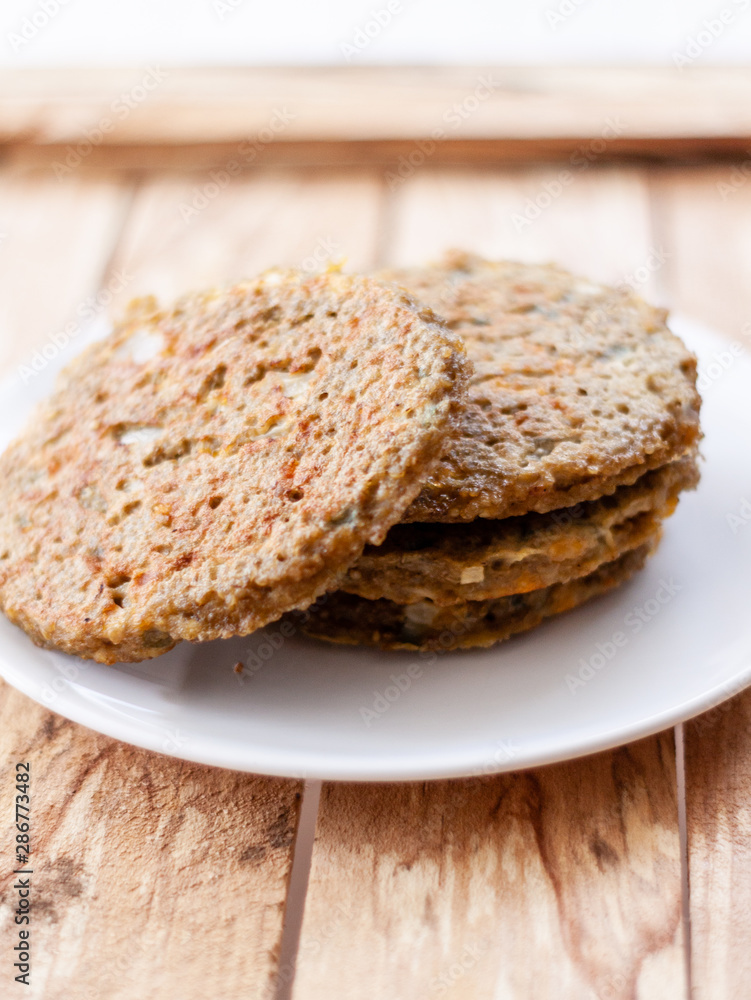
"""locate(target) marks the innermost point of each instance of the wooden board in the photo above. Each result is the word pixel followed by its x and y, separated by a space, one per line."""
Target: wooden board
pixel 155 118
pixel 55 244
pixel 563 882
pixel 183 233
pixel 718 812
pixel 704 217
pixel 151 876
pixel 527 214
pixel 171 106
pixel 703 222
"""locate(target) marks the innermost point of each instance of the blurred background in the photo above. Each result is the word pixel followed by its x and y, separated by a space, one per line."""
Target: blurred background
pixel 158 147
pixel 421 32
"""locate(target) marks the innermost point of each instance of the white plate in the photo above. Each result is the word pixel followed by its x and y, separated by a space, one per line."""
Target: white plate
pixel 313 710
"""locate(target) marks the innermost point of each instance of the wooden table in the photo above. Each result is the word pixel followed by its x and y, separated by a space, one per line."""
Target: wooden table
pixel 622 875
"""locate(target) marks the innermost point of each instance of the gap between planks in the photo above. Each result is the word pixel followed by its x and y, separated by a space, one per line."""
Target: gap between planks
pixel 303 859
pixel 298 889
pixel 680 782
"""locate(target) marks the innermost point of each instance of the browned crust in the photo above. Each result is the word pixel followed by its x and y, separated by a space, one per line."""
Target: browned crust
pixel 578 389
pixel 200 492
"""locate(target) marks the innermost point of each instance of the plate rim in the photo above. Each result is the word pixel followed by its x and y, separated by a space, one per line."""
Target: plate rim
pixel 254 758
pixel 368 771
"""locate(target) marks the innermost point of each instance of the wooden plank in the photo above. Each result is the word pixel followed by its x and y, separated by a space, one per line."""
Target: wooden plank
pixel 702 214
pixel 151 876
pixel 702 220
pixel 191 232
pixel 156 105
pixel 563 881
pixel 718 818
pixel 597 223
pixel 55 242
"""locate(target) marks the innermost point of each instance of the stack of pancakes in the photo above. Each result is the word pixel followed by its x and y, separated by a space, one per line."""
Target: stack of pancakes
pixel 434 458
pixel 579 433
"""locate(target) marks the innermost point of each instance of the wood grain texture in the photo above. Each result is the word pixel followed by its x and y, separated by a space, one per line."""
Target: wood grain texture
pixel 718 814
pixel 188 232
pixel 703 222
pixel 598 223
pixel 172 106
pixel 704 216
pixel 560 882
pixel 153 877
pixel 55 242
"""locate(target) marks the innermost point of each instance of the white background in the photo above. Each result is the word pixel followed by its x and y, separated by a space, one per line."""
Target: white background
pixel 254 32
